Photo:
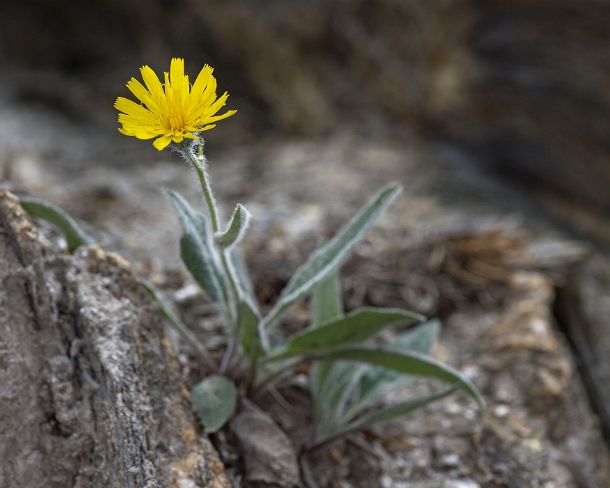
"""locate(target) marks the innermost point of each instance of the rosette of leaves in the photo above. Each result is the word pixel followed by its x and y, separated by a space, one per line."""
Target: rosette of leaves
pixel 346 398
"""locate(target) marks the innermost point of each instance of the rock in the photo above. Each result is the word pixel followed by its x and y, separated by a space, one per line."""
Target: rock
pixel 90 391
pixel 269 456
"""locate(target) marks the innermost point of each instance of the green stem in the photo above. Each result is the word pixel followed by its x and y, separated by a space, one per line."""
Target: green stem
pixel 200 165
pixel 230 272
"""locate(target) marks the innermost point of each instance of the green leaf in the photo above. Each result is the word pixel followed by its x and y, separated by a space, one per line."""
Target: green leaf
pixel 236 229
pixel 326 305
pixel 338 375
pixel 419 339
pixel 332 254
pixel 345 390
pixel 241 273
pixel 335 392
pixel 215 399
pixel 326 301
pixel 249 329
pixel 387 413
pixel 377 381
pixel 411 363
pixel 196 250
pixel 355 327
pixel 75 236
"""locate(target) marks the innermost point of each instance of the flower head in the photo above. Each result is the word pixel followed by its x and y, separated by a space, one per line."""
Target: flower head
pixel 173 110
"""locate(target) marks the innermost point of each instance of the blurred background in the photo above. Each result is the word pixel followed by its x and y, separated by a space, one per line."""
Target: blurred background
pixel 484 109
pixel 517 91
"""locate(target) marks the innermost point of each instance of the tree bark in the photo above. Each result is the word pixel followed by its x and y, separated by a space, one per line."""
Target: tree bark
pixel 90 393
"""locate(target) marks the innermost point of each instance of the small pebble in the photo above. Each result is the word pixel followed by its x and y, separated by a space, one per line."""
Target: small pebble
pixel 470 414
pixel 501 411
pixel 450 460
pixel 465 483
pixel 186 293
pixel 386 481
pixel 453 408
pixel 471 372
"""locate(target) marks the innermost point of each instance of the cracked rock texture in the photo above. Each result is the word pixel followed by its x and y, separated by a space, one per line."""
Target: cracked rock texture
pixel 90 393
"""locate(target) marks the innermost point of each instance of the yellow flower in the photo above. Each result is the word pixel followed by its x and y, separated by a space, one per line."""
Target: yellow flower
pixel 173 110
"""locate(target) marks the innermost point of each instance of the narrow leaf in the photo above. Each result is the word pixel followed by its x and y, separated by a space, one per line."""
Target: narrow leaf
pixel 377 381
pixel 355 327
pixel 249 329
pixel 236 229
pixel 215 399
pixel 338 375
pixel 326 301
pixel 419 339
pixel 241 273
pixel 390 412
pixel 75 236
pixel 326 305
pixel 335 392
pixel 403 362
pixel 332 254
pixel 196 251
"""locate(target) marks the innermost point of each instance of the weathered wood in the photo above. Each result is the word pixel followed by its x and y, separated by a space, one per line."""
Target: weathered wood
pixel 90 393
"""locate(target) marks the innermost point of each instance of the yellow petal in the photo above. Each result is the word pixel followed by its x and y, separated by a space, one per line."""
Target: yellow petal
pixel 145 134
pixel 162 142
pixel 131 108
pixel 218 104
pixel 202 80
pixel 174 110
pixel 133 120
pixel 151 80
pixel 207 127
pixel 154 86
pixel 169 95
pixel 209 94
pixel 216 118
pixel 141 93
pixel 176 74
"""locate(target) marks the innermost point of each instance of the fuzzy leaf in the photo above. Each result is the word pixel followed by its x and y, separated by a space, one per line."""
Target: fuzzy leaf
pixel 196 251
pixel 402 362
pixel 236 229
pixel 326 305
pixel 249 329
pixel 75 236
pixel 387 413
pixel 419 339
pixel 331 255
pixel 215 399
pixel 377 381
pixel 326 301
pixel 355 327
pixel 340 384
pixel 241 273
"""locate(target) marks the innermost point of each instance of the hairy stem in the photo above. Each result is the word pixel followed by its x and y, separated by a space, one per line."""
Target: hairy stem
pixel 199 162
